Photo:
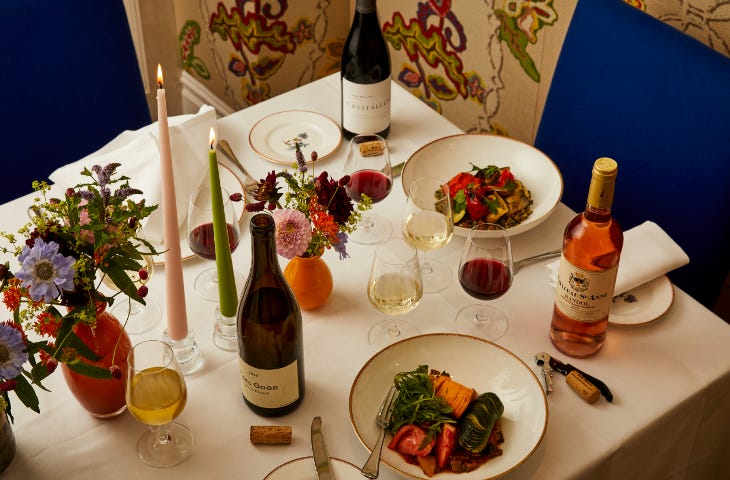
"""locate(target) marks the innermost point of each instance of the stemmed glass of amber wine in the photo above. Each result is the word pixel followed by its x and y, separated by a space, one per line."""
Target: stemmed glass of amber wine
pixel 485 272
pixel 368 165
pixel 156 394
pixel 395 288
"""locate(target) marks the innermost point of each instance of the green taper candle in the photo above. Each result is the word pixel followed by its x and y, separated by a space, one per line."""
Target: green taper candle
pixel 227 294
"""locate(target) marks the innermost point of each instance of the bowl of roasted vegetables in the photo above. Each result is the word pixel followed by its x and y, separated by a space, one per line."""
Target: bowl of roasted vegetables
pixel 491 179
pixel 463 408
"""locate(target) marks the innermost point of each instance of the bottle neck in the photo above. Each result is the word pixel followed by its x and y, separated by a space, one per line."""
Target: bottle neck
pixel 263 244
pixel 365 6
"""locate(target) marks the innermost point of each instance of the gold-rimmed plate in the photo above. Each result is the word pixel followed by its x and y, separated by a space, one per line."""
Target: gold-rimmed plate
pixel 303 469
pixel 271 137
pixel 644 304
pixel 485 366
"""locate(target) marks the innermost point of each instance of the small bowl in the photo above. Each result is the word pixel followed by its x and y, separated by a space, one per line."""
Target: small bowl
pixel 446 157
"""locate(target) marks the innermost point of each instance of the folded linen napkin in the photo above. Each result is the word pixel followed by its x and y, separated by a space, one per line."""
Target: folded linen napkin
pixel 648 253
pixel 139 155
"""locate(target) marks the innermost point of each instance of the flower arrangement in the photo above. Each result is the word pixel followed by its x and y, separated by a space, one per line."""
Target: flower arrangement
pixel 63 254
pixel 315 214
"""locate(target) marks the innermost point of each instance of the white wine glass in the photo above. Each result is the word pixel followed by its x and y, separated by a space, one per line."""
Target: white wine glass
pixel 137 317
pixel 368 165
pixel 156 394
pixel 485 272
pixel 200 237
pixel 395 288
pixel 428 225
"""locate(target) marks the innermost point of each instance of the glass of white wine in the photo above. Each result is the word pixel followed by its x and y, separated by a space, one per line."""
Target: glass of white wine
pixel 428 225
pixel 136 317
pixel 395 288
pixel 156 394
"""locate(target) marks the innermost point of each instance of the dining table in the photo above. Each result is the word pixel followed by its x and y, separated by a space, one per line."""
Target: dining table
pixel 669 418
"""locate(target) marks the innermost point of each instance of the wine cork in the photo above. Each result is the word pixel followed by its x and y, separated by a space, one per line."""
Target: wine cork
pixel 270 434
pixel 371 148
pixel 582 387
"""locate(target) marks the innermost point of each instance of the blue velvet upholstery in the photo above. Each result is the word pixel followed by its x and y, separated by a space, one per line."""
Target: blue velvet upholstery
pixel 630 87
pixel 71 83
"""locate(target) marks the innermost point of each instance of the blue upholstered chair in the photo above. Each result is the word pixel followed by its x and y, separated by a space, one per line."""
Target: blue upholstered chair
pixel 71 83
pixel 630 87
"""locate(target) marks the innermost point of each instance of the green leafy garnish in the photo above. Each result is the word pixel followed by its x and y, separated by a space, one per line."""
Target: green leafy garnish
pixel 418 404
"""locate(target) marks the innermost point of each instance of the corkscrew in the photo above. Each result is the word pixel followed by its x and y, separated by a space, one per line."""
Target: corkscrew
pixel 588 387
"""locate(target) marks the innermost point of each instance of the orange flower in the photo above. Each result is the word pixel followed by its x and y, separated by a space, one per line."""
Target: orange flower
pixel 13 294
pixel 48 324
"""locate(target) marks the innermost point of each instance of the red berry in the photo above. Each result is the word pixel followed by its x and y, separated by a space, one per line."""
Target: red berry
pixel 142 291
pixel 143 274
pixel 236 197
pixel 116 371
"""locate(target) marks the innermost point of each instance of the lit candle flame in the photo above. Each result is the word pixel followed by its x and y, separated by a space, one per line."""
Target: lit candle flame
pixel 212 137
pixel 159 75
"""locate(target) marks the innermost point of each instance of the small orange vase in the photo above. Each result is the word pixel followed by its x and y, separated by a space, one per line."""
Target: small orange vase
pixel 310 279
pixel 101 397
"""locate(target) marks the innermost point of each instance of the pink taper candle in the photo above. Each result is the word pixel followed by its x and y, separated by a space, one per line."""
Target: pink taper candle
pixel 177 320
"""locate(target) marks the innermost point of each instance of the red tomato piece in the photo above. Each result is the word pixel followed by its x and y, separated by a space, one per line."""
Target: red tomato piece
pixel 445 444
pixel 409 439
pixel 463 181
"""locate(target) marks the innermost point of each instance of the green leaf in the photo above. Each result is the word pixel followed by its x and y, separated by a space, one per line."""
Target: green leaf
pixel 25 392
pixel 88 370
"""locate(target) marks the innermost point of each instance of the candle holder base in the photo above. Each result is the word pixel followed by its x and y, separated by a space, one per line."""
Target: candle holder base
pixel 186 351
pixel 225 332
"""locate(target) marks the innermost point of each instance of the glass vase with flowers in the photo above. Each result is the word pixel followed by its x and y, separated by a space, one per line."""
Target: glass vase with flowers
pixel 50 288
pixel 314 214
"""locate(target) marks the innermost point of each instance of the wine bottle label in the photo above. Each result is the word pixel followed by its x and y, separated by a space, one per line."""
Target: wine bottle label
pixel 584 295
pixel 365 107
pixel 269 388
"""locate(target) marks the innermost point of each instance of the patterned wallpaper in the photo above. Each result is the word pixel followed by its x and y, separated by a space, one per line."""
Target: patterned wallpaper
pixel 484 64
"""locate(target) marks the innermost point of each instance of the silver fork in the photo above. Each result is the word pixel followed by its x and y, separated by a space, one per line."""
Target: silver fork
pixel 371 467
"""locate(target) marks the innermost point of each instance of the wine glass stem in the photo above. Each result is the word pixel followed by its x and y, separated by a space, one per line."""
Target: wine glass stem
pixel 366 221
pixel 426 268
pixel 394 331
pixel 481 316
pixel 162 438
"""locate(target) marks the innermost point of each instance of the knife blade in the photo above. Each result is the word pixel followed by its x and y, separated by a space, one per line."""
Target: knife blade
pixel 322 461
pixel 566 368
pixel 396 170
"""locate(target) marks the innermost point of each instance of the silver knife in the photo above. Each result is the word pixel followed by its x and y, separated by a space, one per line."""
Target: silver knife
pixel 319 450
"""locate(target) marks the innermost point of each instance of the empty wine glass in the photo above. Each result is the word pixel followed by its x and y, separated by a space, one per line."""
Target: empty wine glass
pixel 137 317
pixel 429 225
pixel 395 288
pixel 200 236
pixel 485 273
pixel 368 165
pixel 156 394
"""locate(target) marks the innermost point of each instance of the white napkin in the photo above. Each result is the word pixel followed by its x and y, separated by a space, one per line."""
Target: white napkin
pixel 648 253
pixel 139 155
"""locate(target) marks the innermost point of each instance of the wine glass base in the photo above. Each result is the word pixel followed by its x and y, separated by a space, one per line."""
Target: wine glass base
pixel 206 285
pixel 178 448
pixel 436 276
pixel 378 231
pixel 137 318
pixel 483 321
pixel 388 332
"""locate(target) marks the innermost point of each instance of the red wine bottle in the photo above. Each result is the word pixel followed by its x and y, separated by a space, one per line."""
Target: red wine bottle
pixel 270 346
pixel 591 250
pixel 365 75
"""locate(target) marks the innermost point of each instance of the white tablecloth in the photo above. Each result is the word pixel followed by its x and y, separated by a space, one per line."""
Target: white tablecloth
pixel 671 379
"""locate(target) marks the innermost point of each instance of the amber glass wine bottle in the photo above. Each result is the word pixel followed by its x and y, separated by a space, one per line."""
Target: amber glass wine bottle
pixel 270 346
pixel 588 265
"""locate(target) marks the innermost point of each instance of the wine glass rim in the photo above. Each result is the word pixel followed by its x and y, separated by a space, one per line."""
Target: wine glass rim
pixel 379 249
pixel 194 194
pixel 169 356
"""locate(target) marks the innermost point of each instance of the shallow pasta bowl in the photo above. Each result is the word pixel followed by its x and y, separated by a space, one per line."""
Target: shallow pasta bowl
pixel 446 157
pixel 471 361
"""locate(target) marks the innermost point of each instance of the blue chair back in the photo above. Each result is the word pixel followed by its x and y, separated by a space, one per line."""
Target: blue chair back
pixel 72 83
pixel 635 89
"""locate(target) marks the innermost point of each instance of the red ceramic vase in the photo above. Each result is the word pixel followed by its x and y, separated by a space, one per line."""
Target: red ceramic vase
pixel 103 398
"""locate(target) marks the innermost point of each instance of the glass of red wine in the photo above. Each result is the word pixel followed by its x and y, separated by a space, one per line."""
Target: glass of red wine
pixel 485 273
pixel 368 165
pixel 200 237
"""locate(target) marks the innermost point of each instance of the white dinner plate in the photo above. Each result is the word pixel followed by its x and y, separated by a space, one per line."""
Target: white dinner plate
pixel 230 183
pixel 644 304
pixel 446 157
pixel 303 469
pixel 473 362
pixel 271 136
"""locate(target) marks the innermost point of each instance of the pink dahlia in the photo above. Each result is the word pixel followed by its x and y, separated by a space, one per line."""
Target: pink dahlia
pixel 293 232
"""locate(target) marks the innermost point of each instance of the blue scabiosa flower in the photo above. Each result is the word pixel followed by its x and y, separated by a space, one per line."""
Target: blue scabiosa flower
pixel 12 352
pixel 293 232
pixel 45 271
pixel 341 246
